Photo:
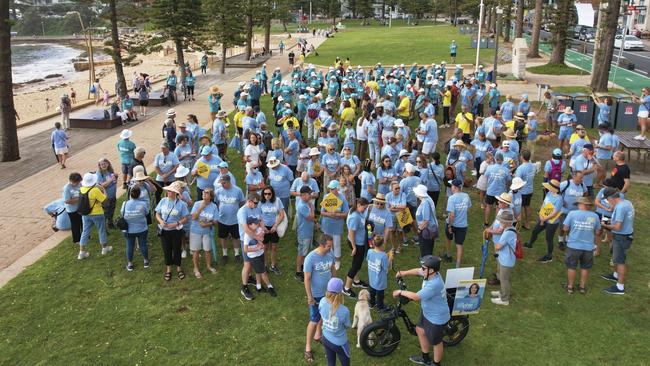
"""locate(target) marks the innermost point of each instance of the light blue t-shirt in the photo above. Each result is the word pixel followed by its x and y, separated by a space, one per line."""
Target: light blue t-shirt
pixel 582 229
pixel 292 156
pixel 516 202
pixel 481 147
pixel 213 163
pixel 281 178
pixel 601 196
pixel 335 325
pixel 270 211
pixel 305 228
pixel 209 214
pixel 507 252
pixel 165 163
pixel 299 183
pixel 331 161
pixel 254 178
pixel 406 185
pixel 606 140
pixel 125 149
pixel 498 178
pixel 459 203
pixel 426 211
pixel 383 172
pixel 507 110
pixel 570 193
pixel 357 222
pixel 70 191
pixel 331 226
pixel 172 210
pixel 603 112
pixel 581 163
pixel 228 201
pixel 431 128
pixel 624 213
pixel 377 269
pixel 320 267
pixel 367 180
pixel 381 218
pixel 433 300
pixel 135 214
pixel 102 177
pixel 526 171
pixel 59 139
pixel 352 162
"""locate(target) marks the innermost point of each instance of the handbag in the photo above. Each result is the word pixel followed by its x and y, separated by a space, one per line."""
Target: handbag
pixel 284 224
pixel 430 234
pixel 160 228
pixel 121 222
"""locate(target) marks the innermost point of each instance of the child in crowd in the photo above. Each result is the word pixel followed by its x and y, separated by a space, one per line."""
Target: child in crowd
pixel 254 250
pixel 378 265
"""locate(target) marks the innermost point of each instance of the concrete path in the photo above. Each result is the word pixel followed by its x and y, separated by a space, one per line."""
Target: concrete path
pixel 24 227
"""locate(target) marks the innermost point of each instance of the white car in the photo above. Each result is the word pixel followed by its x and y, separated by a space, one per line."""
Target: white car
pixel 631 43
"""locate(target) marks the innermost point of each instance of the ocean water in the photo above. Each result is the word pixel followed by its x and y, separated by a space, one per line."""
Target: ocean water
pixel 36 60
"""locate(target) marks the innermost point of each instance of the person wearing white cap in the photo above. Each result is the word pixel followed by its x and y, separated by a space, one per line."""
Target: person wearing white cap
pixel 425 220
pixel 107 179
pixel 93 215
pixel 280 178
pixel 567 120
pixel 515 192
pixel 427 134
pixel 126 148
pixel 493 98
pixel 407 184
pixel 165 164
pixel 401 162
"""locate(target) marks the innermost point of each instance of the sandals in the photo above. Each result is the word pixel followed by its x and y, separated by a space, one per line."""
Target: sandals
pixel 197 274
pixel 309 356
pixel 168 276
pixel 582 290
pixel 568 289
pixel 181 275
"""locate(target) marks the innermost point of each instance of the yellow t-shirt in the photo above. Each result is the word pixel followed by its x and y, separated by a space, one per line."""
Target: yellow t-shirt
pixel 575 136
pixel 446 99
pixel 96 197
pixel 510 125
pixel 348 115
pixel 373 85
pixel 284 120
pixel 404 109
pixel 238 118
pixel 463 123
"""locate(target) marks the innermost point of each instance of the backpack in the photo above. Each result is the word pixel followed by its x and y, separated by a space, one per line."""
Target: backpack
pixel 84 207
pixel 312 113
pixel 447 146
pixel 454 94
pixel 556 171
pixel 92 89
pixel 519 130
pixel 519 249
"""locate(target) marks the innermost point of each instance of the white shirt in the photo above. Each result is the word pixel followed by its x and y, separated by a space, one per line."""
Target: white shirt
pixel 254 152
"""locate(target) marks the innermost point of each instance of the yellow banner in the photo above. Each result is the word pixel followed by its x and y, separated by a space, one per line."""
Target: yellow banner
pixel 404 217
pixel 203 169
pixel 317 124
pixel 331 203
pixel 548 209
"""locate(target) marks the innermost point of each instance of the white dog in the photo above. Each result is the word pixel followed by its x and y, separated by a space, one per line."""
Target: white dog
pixel 361 314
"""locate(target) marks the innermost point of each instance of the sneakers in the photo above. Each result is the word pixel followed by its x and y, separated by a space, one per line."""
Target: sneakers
pixel 447 258
pixel 272 292
pixel 613 290
pixel 608 277
pixel 528 245
pixel 261 289
pixel 129 267
pixel 238 258
pixel 337 265
pixel 107 249
pixel 246 293
pixel 405 244
pixel 498 301
pixel 212 270
pixel 349 293
pixel 360 284
pixel 545 259
pixel 299 276
pixel 146 264
pixel 275 270
pixel 184 254
pixel 495 293
pixel 562 245
pixel 224 260
pixel 569 290
pixel 639 137
pixel 83 255
pixel 420 361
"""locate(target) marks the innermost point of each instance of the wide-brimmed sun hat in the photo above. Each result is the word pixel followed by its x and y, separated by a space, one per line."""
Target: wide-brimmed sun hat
pixel 181 172
pixel 273 162
pixel 505 197
pixel 517 183
pixel 126 133
pixel 553 185
pixel 89 180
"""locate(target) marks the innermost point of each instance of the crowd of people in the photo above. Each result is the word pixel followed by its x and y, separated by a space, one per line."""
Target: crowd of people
pixel 353 156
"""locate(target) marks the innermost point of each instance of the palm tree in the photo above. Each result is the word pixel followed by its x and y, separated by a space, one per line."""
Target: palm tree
pixel 116 51
pixel 8 130
pixel 537 27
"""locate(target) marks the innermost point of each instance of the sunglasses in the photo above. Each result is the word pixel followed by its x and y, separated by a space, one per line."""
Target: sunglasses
pixel 268 193
pixel 255 202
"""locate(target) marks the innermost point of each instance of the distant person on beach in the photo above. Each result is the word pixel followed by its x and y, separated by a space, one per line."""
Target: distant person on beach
pixel 281 47
pixel 59 141
pixel 96 89
pixel 47 104
pixel 292 56
pixel 65 107
pixel 107 98
pixel 204 64
pixel 73 96
pixel 143 95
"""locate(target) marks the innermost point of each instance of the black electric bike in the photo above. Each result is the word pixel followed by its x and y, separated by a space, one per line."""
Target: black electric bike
pixel 381 338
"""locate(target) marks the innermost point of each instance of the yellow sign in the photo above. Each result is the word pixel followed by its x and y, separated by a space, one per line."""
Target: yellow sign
pixel 548 209
pixel 202 169
pixel 317 124
pixel 404 217
pixel 331 203
pixel 316 167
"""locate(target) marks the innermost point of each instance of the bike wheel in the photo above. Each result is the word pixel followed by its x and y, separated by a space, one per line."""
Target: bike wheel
pixel 379 339
pixel 455 330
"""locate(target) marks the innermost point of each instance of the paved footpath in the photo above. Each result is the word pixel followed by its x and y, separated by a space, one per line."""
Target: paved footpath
pixel 34 181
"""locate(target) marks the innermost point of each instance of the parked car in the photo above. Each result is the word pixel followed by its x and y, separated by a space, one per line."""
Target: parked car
pixel 631 43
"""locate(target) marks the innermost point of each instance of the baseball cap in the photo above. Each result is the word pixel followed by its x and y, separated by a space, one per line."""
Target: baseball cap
pixel 335 285
pixel 252 220
pixel 456 183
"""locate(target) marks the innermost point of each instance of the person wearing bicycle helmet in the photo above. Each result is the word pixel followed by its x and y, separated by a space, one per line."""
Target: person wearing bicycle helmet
pixel 435 309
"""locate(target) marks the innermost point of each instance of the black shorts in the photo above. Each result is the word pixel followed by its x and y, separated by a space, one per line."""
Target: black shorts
pixel 573 257
pixel 457 233
pixel 125 168
pixel 144 103
pixel 432 331
pixel 225 230
pixel 171 87
pixel 490 200
pixel 271 237
pixel 258 264
pixel 453 54
pixel 221 148
pixel 525 200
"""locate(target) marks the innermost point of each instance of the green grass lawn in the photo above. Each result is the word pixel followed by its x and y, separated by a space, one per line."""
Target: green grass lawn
pixel 424 44
pixel 554 69
pixel 348 23
pixel 61 311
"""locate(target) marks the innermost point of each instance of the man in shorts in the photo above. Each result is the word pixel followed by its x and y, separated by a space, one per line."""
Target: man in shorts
pixel 229 198
pixel 306 223
pixel 319 268
pixel 583 228
pixel 498 178
pixel 435 310
pixel 458 205
pixel 622 227
pixel 428 132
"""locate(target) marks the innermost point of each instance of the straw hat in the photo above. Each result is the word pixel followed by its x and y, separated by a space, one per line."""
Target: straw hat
pixel 314 151
pixel 174 187
pixel 520 116
pixel 89 180
pixel 553 185
pixel 139 175
pixel 403 153
pixel 170 112
pixel 273 162
pixel 510 133
pixel 222 113
pixel 214 89
pixel 379 198
pixel 459 143
pixel 126 133
pixel 505 197
pixel 517 183
pixel 584 201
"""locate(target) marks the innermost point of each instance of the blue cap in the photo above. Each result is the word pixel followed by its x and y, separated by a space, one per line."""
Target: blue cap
pixel 335 285
pixel 206 150
pixel 457 183
pixel 454 154
pixel 333 184
pixel 223 164
pixel 557 152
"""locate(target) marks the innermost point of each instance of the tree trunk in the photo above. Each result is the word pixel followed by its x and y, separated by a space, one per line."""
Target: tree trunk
pixel 507 25
pixel 537 28
pixel 117 52
pixel 267 34
pixel 284 26
pixel 604 52
pixel 519 25
pixel 180 57
pixel 224 49
pixel 249 33
pixel 383 10
pixel 493 20
pixel 560 31
pixel 8 130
